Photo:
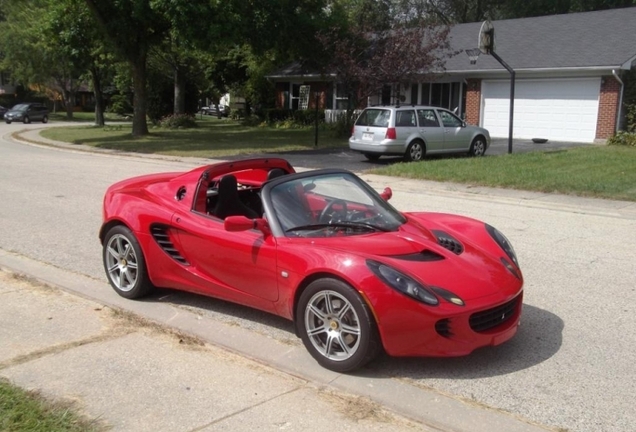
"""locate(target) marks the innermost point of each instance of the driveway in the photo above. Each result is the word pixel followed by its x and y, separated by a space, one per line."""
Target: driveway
pixel 347 159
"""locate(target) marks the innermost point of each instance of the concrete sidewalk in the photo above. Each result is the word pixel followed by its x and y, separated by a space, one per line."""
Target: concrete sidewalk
pixel 133 375
pixel 148 366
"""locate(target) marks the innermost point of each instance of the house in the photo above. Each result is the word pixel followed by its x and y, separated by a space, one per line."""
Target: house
pixel 569 77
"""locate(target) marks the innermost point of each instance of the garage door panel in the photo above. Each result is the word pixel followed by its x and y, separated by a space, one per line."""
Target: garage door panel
pixel 560 110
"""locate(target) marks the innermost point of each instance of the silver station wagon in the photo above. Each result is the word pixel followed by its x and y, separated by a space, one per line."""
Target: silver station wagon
pixel 415 131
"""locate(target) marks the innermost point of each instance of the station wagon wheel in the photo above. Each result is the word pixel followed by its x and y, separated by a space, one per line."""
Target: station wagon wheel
pixel 336 326
pixel 26 119
pixel 415 151
pixel 125 264
pixel 45 119
pixel 372 156
pixel 478 147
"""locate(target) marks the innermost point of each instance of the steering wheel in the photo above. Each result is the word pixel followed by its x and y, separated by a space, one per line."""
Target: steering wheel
pixel 331 214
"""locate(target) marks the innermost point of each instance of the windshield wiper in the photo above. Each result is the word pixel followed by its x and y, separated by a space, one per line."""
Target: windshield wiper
pixel 339 225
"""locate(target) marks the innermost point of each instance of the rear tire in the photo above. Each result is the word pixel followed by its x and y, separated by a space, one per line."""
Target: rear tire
pixel 26 119
pixel 478 147
pixel 45 119
pixel 124 263
pixel 7 122
pixel 415 152
pixel 372 156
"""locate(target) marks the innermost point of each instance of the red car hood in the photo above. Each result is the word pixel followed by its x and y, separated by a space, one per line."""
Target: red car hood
pixel 414 250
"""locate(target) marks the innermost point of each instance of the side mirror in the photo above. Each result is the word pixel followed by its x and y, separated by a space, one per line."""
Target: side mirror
pixel 241 223
pixel 463 124
pixel 386 194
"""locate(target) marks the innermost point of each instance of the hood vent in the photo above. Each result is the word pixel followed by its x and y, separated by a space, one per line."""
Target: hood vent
pixel 160 234
pixel 449 242
pixel 424 256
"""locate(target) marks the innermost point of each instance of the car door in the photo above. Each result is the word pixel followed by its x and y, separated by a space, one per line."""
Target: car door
pixel 455 134
pixel 242 263
pixel 405 125
pixel 430 130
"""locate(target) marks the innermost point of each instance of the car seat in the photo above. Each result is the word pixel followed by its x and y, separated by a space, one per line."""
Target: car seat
pixel 228 201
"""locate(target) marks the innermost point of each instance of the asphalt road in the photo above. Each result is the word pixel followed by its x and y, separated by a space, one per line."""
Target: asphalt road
pixel 570 365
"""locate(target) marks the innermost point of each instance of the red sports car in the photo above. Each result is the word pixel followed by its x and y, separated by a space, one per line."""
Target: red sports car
pixel 321 248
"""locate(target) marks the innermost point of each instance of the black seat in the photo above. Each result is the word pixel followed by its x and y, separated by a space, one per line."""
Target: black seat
pixel 275 172
pixel 228 201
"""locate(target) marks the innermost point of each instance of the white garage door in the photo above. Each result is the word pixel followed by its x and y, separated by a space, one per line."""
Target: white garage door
pixel 559 110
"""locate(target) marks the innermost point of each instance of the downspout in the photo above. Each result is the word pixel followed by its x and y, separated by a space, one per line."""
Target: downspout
pixel 619 115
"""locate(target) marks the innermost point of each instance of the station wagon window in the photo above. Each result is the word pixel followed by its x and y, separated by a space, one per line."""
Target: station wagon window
pixel 374 117
pixel 427 118
pixel 449 120
pixel 405 118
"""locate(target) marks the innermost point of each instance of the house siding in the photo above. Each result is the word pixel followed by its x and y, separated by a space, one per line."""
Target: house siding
pixel 607 107
pixel 473 101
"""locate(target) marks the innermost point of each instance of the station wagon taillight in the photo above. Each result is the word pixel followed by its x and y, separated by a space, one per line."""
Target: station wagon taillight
pixel 390 133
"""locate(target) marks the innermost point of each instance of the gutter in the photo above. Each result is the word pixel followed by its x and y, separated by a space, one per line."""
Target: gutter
pixel 620 100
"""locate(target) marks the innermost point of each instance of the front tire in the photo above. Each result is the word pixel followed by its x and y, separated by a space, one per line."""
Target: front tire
pixel 477 147
pixel 26 120
pixel 336 326
pixel 415 152
pixel 45 119
pixel 124 263
pixel 7 122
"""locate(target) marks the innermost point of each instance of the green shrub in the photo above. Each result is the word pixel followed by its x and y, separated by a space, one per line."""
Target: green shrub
pixel 630 118
pixel 119 104
pixel 623 139
pixel 342 127
pixel 178 121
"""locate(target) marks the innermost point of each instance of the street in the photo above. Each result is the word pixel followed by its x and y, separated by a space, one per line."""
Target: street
pixel 570 365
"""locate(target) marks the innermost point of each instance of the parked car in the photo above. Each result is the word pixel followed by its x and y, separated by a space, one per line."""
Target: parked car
pixel 27 112
pixel 415 131
pixel 211 110
pixel 321 248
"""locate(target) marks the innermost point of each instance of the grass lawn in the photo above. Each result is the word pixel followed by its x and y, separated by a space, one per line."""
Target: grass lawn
pixel 602 172
pixel 25 411
pixel 213 138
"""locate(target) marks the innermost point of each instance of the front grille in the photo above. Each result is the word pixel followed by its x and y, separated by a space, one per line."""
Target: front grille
pixel 449 242
pixel 160 234
pixel 443 328
pixel 485 320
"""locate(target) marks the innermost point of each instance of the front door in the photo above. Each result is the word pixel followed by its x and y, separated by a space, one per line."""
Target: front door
pixel 238 262
pixel 455 134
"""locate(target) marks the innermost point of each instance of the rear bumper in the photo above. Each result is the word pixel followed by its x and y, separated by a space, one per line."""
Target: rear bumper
pixel 383 147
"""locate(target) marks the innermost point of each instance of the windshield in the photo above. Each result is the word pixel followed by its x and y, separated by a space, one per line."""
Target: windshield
pixel 333 204
pixel 20 107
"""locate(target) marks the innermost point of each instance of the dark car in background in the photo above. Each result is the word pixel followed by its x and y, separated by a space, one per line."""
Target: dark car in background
pixel 3 110
pixel 27 112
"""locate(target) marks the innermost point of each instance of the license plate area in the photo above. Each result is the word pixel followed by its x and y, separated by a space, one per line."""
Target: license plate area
pixel 367 136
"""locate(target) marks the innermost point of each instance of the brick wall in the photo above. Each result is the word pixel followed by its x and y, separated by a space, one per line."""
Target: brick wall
pixel 607 107
pixel 473 101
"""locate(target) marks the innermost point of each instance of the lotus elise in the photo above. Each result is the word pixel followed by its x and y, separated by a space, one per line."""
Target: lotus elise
pixel 321 248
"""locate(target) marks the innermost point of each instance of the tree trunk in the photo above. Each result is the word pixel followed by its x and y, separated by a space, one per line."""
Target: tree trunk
pixel 99 97
pixel 179 90
pixel 140 125
pixel 69 102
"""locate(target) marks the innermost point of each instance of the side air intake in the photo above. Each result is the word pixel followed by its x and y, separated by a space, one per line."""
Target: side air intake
pixel 160 234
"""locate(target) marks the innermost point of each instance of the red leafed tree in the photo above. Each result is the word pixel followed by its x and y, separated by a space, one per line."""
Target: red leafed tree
pixel 365 62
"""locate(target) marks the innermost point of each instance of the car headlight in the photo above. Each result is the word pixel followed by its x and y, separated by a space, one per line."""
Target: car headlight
pixel 503 243
pixel 401 282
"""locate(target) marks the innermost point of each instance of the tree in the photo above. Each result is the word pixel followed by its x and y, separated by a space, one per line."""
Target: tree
pixel 132 27
pixel 365 62
pixel 34 57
